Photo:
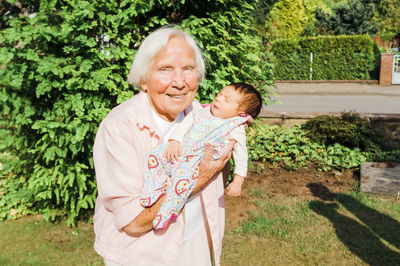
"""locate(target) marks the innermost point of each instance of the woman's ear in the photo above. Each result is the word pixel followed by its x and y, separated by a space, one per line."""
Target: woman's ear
pixel 143 86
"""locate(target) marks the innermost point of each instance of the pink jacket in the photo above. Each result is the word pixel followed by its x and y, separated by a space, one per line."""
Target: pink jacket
pixel 122 143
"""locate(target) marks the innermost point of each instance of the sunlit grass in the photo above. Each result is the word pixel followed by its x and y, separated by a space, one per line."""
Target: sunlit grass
pixel 33 241
pixel 353 229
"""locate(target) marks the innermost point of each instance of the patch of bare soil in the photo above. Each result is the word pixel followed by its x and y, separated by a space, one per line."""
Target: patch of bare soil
pixel 302 184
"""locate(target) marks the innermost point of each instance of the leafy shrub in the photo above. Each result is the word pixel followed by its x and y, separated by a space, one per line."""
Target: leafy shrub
pixel 353 57
pixel 293 149
pixel 390 155
pixel 349 130
pixel 63 66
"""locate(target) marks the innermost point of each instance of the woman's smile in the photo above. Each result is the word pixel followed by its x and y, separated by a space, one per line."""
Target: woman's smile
pixel 176 96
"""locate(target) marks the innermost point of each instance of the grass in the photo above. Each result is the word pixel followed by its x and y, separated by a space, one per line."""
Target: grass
pixel 353 229
pixel 33 241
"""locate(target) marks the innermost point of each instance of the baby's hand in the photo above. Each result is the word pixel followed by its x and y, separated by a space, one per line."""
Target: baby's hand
pixel 250 121
pixel 235 187
pixel 173 151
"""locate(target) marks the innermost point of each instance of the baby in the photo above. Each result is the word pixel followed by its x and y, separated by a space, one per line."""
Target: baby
pixel 172 169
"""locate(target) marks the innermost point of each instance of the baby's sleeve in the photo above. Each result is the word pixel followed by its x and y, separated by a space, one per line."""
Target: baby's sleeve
pixel 239 153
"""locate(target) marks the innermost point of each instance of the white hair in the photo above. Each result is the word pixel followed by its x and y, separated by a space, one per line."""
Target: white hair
pixel 152 45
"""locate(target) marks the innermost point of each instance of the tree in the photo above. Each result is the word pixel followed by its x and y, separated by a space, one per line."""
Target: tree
pixel 347 19
pixel 287 19
pixel 387 15
pixel 311 6
pixel 261 11
pixel 63 65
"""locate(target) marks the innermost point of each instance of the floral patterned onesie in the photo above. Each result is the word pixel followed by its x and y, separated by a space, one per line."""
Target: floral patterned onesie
pixel 177 181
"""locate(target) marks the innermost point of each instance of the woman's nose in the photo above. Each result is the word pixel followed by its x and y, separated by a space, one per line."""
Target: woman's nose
pixel 179 80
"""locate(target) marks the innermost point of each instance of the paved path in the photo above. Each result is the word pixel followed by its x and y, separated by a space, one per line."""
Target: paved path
pixel 337 97
pixel 315 103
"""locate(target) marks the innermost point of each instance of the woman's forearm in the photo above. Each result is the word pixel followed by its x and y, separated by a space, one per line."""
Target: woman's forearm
pixel 201 181
pixel 143 223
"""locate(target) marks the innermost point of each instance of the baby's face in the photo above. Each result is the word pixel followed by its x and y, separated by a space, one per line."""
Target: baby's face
pixel 226 104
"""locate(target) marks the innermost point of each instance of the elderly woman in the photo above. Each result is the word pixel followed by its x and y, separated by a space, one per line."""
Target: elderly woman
pixel 168 68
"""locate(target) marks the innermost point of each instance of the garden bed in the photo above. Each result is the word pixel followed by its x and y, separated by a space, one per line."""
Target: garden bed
pixel 276 182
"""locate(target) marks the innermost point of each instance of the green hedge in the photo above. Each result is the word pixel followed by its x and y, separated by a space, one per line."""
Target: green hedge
pixel 354 57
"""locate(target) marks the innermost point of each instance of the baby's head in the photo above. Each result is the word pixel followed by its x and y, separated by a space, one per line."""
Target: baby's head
pixel 237 98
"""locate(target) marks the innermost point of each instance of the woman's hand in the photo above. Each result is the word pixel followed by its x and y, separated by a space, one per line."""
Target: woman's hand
pixel 209 167
pixel 143 223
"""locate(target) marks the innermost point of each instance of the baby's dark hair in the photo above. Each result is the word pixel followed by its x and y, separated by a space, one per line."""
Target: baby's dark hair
pixel 251 101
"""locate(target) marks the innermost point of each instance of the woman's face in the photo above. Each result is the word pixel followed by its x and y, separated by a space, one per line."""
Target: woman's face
pixel 171 81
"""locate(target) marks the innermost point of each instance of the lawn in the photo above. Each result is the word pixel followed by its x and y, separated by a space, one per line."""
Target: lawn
pixel 351 229
pixel 33 241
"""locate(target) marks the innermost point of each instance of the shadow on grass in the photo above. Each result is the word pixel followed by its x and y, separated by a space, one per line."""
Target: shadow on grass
pixel 363 240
